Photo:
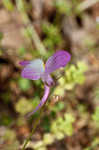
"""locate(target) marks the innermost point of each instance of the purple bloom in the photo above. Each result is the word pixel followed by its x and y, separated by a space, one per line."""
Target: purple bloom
pixel 35 70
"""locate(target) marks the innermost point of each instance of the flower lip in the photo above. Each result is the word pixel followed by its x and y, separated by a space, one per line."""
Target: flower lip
pixel 43 100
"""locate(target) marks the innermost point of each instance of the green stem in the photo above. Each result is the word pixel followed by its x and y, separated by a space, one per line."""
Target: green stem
pixel 37 42
pixel 34 127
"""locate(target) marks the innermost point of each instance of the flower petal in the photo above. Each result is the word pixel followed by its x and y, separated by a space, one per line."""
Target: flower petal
pixel 43 100
pixel 33 70
pixel 59 59
pixel 24 63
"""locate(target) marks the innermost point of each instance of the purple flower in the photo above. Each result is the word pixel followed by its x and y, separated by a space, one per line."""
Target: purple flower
pixel 36 69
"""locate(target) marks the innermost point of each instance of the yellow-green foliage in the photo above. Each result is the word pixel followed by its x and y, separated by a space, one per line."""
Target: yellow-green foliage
pixel 60 127
pixel 63 6
pixel 73 75
pixel 11 140
pixel 63 126
pixel 24 106
pixel 39 145
pixel 10 135
pixel 95 116
pixel 53 36
pixel 48 139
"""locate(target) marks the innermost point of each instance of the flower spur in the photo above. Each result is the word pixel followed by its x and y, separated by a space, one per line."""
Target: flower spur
pixel 35 70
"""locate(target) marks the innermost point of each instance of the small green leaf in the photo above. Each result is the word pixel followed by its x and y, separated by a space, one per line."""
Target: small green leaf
pixel 24 106
pixel 24 84
pixel 58 107
pixel 21 51
pixel 95 116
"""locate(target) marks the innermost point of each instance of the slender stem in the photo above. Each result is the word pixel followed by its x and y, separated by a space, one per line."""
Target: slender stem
pixel 43 100
pixel 33 129
pixel 36 39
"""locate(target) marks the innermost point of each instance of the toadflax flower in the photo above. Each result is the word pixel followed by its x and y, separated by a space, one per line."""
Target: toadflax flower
pixel 36 69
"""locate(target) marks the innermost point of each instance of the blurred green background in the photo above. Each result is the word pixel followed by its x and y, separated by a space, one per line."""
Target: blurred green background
pixel 32 29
